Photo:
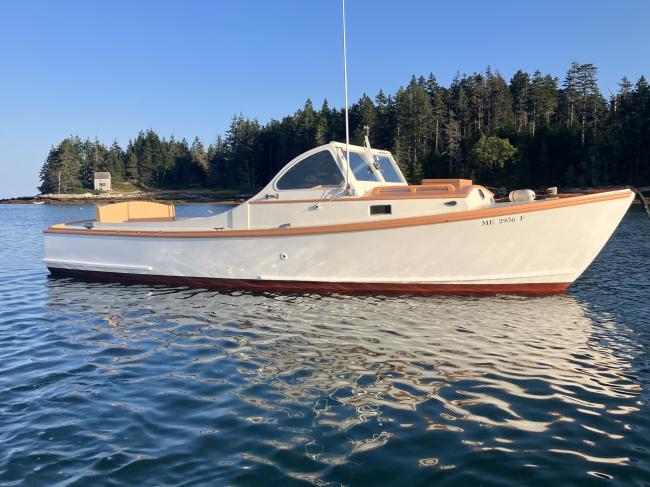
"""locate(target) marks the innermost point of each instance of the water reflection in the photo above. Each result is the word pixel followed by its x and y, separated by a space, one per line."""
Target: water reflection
pixel 340 380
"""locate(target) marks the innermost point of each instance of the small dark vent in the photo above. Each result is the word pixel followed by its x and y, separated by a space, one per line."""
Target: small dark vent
pixel 380 210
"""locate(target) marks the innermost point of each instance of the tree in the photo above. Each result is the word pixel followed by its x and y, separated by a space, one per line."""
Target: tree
pixel 571 92
pixel 60 173
pixel 132 172
pixel 245 152
pixel 305 127
pixel 491 152
pixel 499 102
pixel 415 123
pixel 542 100
pixel 199 160
pixel 519 87
pixel 323 121
pixel 217 157
pixel 384 131
pixel 588 94
pixel 362 114
pixel 452 132
pixel 437 95
pixel 115 162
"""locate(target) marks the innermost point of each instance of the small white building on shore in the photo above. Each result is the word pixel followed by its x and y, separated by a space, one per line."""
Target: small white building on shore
pixel 102 181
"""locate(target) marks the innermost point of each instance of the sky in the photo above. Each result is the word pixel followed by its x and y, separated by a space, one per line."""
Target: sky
pixel 109 69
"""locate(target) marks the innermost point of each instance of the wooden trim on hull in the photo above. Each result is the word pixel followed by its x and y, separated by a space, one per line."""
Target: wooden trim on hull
pixel 538 205
pixel 313 286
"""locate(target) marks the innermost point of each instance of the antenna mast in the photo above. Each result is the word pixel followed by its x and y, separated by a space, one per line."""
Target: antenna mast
pixel 347 122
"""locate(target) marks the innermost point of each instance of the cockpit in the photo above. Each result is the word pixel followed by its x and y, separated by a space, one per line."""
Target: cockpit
pixel 324 172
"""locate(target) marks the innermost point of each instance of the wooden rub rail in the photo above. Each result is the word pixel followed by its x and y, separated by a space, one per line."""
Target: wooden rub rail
pixel 517 209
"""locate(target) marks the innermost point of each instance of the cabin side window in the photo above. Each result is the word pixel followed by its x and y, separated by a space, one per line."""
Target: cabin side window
pixel 315 171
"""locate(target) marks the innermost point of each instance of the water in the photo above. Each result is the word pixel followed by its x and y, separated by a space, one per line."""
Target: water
pixel 108 384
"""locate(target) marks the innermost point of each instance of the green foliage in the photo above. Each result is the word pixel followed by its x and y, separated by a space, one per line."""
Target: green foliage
pixel 489 156
pixel 491 152
pixel 530 132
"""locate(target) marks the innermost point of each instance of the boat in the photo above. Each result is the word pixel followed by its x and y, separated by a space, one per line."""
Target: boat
pixel 342 217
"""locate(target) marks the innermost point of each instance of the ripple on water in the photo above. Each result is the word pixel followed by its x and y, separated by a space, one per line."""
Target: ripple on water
pixel 105 383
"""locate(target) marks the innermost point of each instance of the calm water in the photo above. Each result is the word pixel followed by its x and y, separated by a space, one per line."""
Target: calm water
pixel 106 384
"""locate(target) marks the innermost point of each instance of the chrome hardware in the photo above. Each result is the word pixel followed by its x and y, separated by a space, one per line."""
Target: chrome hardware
pixel 451 203
pixel 272 196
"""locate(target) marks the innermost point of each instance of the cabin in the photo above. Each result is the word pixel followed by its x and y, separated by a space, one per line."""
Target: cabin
pixel 319 187
pixel 102 181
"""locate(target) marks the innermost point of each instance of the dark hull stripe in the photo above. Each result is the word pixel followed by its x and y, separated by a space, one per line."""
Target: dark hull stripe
pixel 305 286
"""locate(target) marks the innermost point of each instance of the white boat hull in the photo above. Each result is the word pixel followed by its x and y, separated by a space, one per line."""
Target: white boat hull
pixel 522 251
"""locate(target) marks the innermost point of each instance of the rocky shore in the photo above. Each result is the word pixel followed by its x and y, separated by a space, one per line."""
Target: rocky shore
pixel 175 196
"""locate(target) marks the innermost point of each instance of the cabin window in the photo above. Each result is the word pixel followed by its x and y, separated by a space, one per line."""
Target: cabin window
pixel 388 170
pixel 360 168
pixel 381 210
pixel 317 170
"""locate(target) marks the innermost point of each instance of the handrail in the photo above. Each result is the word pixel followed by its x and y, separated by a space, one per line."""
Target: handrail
pixel 449 188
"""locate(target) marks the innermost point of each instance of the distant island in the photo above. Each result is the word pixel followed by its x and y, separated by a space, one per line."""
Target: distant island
pixel 533 131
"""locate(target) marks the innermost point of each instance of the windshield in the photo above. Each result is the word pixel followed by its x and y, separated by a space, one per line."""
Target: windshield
pixel 360 168
pixel 387 169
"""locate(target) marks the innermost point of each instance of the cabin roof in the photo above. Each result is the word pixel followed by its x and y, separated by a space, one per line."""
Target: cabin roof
pixel 102 175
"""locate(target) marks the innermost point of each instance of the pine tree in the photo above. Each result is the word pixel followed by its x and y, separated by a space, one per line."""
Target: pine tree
pixel 199 160
pixel 519 88
pixel 384 131
pixel 415 121
pixel 115 162
pixel 60 173
pixel 542 100
pixel 131 157
pixel 323 134
pixel 362 114
pixel 452 135
pixel 570 92
pixel 217 156
pixel 586 88
pixel 305 127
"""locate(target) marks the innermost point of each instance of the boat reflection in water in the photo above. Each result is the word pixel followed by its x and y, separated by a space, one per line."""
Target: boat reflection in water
pixel 438 382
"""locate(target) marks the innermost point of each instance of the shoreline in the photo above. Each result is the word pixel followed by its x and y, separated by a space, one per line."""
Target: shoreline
pixel 171 196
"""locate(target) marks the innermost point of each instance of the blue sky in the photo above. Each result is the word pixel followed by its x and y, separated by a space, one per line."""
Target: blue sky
pixel 109 69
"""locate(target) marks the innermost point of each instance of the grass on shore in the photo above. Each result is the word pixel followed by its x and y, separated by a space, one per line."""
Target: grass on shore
pixel 125 187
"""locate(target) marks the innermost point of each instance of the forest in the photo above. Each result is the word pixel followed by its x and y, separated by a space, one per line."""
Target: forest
pixel 533 131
